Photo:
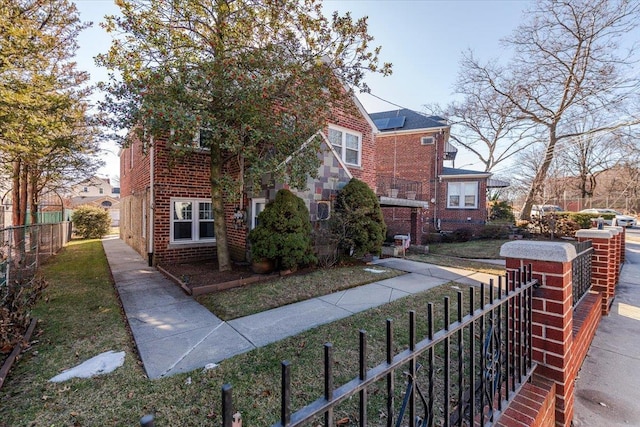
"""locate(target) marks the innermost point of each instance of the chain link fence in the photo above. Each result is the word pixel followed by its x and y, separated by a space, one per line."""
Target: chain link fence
pixel 23 249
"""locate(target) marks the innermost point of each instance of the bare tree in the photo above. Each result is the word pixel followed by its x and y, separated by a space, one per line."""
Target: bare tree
pixel 485 122
pixel 588 154
pixel 567 62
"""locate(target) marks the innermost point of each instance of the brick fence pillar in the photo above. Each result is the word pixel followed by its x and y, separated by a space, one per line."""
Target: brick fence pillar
pixel 604 264
pixel 623 246
pixel 619 237
pixel 552 328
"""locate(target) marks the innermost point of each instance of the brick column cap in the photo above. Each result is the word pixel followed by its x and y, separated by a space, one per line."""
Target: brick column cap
pixel 594 233
pixel 615 228
pixel 539 251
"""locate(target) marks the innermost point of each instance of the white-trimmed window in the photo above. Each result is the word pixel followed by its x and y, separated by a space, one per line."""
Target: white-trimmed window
pixel 462 195
pixel 200 139
pixel 347 143
pixel 191 221
pixel 257 206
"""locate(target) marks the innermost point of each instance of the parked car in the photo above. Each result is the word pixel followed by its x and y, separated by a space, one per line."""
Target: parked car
pixel 621 219
pixel 542 210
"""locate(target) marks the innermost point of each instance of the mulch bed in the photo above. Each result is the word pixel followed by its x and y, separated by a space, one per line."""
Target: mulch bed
pixel 203 277
pixel 198 278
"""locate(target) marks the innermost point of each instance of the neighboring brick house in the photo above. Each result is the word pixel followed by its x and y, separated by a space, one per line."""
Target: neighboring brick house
pixel 166 207
pixel 418 194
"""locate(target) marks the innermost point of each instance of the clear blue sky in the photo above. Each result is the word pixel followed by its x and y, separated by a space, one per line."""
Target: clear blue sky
pixel 423 39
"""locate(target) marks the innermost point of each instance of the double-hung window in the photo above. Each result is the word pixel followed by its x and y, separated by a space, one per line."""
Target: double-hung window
pixel 191 221
pixel 462 195
pixel 202 139
pixel 347 143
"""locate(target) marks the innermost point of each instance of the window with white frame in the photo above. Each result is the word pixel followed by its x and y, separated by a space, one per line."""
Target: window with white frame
pixel 257 206
pixel 191 221
pixel 202 139
pixel 347 143
pixel 462 195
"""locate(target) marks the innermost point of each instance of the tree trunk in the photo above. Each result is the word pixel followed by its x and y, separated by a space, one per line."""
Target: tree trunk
pixel 33 196
pixel 217 206
pixel 17 215
pixel 541 174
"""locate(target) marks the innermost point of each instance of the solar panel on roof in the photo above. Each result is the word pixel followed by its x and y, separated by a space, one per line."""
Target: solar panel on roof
pixel 390 123
pixel 381 123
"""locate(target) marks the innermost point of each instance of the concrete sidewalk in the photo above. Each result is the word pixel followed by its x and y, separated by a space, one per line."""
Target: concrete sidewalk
pixel 608 386
pixel 175 334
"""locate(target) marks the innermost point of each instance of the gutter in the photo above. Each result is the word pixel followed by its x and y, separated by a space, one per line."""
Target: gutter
pixel 152 202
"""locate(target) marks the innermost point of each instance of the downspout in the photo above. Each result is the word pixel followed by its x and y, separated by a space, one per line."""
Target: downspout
pixel 435 188
pixel 152 202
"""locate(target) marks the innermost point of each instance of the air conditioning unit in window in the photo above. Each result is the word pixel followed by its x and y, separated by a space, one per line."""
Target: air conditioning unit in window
pixel 427 140
pixel 324 211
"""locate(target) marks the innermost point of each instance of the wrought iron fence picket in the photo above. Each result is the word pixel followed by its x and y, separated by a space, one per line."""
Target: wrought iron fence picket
pixel 470 396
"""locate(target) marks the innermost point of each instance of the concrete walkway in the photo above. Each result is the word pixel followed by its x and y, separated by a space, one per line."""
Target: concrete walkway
pixel 175 334
pixel 608 387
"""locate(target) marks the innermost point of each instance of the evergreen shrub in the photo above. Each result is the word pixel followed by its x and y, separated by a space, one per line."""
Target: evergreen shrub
pixel 91 222
pixel 358 221
pixel 283 233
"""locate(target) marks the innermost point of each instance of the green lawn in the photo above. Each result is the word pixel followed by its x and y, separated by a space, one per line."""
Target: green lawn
pixel 81 317
pixel 246 300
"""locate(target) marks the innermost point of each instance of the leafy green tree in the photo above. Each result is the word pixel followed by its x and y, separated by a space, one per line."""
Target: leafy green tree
pixel 258 77
pixel 283 233
pixel 358 219
pixel 91 222
pixel 46 136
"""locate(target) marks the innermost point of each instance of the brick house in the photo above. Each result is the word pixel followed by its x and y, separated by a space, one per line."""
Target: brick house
pixel 165 200
pixel 418 194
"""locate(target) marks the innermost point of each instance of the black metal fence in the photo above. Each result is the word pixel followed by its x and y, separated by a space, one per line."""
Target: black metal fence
pixel 462 375
pixel 395 187
pixel 581 270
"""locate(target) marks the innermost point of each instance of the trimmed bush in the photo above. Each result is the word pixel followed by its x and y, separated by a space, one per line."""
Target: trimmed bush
pixel 358 220
pixel 494 231
pixel 500 210
pixel 283 234
pixel 459 235
pixel 91 222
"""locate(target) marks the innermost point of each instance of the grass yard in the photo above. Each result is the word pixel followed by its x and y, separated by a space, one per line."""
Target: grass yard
pixel 473 249
pixel 467 255
pixel 246 300
pixel 80 317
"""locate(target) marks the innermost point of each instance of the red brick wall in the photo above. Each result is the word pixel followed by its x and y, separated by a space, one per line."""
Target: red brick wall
pixel 348 116
pixel 604 264
pixel 552 330
pixel 398 221
pixel 188 176
pixel 453 219
pixel 586 318
pixel 134 200
pixel 533 406
pixel 403 156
